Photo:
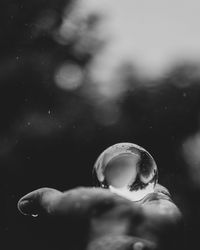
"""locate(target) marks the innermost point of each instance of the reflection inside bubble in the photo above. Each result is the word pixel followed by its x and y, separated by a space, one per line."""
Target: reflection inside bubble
pixel 127 170
pixel 121 170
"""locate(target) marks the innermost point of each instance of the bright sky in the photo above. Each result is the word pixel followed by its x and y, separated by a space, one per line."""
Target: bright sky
pixel 151 33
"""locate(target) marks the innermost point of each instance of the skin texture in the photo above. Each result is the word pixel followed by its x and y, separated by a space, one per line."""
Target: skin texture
pixel 101 220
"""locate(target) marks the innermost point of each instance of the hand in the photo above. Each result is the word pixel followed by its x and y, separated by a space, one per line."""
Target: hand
pixel 99 219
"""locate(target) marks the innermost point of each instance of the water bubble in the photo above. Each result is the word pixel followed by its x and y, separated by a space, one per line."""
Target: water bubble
pixel 127 170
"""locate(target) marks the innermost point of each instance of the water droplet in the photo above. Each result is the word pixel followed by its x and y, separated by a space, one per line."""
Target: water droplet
pixel 127 170
pixel 34 215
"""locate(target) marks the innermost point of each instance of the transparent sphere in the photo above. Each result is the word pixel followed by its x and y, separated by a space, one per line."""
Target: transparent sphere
pixel 127 170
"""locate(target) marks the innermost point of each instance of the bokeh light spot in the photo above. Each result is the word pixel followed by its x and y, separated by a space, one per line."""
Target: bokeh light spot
pixel 191 154
pixel 69 76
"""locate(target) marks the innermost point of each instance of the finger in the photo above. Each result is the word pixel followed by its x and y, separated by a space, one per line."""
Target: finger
pixel 42 200
pixel 161 189
pixel 123 242
pixel 96 201
pixel 78 200
pixel 75 201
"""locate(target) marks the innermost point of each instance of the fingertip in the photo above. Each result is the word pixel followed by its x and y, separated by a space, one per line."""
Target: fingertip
pixel 39 201
pixel 26 207
pixel 21 204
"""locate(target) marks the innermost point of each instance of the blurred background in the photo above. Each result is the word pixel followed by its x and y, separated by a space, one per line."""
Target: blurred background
pixel 79 76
